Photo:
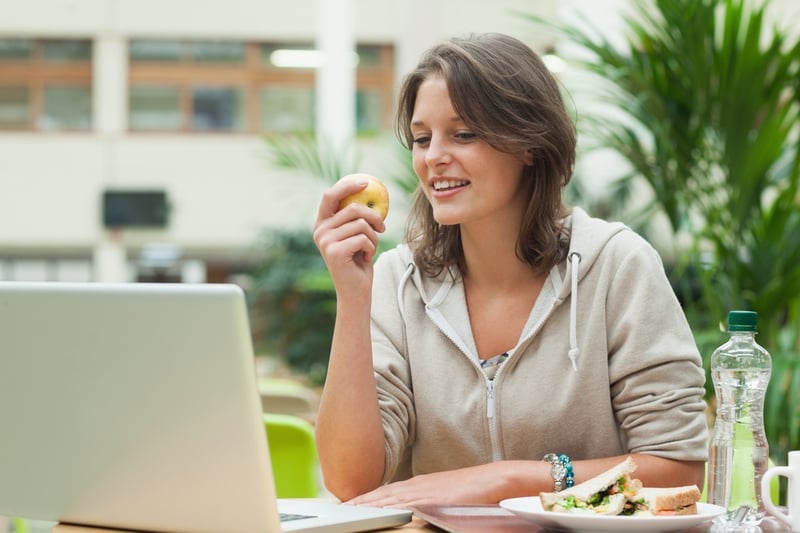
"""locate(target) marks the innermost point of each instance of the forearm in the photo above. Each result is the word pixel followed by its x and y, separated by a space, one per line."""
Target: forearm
pixel 348 429
pixel 525 478
pixel 656 471
pixel 491 483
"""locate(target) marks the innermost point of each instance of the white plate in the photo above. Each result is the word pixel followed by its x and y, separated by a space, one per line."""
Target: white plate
pixel 530 508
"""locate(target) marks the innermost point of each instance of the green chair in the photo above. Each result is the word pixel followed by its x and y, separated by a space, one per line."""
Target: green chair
pixel 293 453
pixel 14 525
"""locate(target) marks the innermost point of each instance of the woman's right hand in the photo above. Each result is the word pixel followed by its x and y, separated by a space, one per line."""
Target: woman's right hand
pixel 347 239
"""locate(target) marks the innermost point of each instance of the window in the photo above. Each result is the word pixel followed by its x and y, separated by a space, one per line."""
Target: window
pixel 64 51
pixel 16 49
pixel 287 109
pixel 65 107
pixel 231 86
pixel 369 110
pixel 15 106
pixel 45 84
pixel 217 108
pixel 167 51
pixel 154 107
pixel 218 52
pixel 375 86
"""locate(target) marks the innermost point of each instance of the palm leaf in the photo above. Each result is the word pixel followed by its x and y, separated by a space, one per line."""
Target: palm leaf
pixel 709 97
pixel 315 156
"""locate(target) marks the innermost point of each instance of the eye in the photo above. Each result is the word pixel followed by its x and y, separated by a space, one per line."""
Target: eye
pixel 422 140
pixel 465 136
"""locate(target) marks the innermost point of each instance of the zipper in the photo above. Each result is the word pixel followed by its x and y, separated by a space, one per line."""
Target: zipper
pixel 490 399
pixel 491 387
pixel 439 321
pixel 491 384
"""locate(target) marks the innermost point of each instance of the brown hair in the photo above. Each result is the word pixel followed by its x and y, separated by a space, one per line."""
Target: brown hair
pixel 506 95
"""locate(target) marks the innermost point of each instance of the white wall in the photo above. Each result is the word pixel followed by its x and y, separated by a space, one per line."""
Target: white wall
pixel 221 186
pixel 378 20
pixel 222 190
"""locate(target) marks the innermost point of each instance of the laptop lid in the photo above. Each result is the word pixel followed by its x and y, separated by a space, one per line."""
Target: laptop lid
pixel 128 405
pixel 135 406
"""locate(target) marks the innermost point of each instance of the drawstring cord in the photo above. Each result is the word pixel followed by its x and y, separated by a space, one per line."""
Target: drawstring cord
pixel 401 286
pixel 574 351
pixel 574 260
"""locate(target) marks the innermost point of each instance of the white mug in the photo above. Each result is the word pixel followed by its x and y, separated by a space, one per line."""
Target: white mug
pixel 792 472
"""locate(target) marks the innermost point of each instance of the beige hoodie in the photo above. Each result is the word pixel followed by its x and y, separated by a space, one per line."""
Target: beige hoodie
pixel 622 375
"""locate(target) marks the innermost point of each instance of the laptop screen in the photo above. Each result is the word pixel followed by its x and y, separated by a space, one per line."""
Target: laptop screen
pixel 132 406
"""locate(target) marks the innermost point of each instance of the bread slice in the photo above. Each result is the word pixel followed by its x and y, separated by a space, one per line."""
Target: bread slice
pixel 670 500
pixel 614 492
pixel 584 492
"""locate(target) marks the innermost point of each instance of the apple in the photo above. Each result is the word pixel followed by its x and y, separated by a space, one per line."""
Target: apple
pixel 374 195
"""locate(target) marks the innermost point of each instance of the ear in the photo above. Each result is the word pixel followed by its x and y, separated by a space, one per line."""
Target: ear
pixel 527 158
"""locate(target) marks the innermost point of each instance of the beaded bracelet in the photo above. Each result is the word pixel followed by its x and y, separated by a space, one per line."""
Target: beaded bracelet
pixel 561 470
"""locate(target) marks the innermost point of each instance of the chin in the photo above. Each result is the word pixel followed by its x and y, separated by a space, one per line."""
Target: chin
pixel 447 217
pixel 446 220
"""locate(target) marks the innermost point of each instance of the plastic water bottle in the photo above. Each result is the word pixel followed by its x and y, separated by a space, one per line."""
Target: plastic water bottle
pixel 739 452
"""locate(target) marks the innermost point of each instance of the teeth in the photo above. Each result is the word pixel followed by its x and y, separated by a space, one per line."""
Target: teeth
pixel 448 184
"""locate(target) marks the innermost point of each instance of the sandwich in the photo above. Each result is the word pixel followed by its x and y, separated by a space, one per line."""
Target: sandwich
pixel 666 501
pixel 606 493
pixel 615 492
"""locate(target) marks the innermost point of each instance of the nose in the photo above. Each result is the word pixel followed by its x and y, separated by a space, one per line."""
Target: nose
pixel 438 152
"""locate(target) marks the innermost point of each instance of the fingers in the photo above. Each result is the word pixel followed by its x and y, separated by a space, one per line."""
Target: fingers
pixel 354 235
pixel 350 233
pixel 386 496
pixel 340 247
pixel 331 198
pixel 441 487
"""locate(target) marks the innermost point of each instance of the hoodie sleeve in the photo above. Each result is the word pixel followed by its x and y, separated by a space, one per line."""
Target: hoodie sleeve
pixel 392 373
pixel 655 370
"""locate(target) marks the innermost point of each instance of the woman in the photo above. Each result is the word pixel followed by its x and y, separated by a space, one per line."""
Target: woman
pixel 506 327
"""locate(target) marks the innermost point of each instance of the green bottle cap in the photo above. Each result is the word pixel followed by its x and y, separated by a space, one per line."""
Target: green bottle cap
pixel 742 320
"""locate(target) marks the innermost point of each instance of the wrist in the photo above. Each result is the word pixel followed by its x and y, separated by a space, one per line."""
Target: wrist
pixel 560 470
pixel 517 478
pixel 354 301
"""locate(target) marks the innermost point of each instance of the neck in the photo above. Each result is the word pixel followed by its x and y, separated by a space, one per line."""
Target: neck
pixel 492 261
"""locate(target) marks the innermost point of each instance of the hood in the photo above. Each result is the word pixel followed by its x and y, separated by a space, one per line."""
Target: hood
pixel 588 238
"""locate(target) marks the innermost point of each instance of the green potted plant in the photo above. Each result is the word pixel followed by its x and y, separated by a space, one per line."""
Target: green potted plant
pixel 707 101
pixel 291 284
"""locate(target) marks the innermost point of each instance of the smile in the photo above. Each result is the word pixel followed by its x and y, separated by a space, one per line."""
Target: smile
pixel 441 185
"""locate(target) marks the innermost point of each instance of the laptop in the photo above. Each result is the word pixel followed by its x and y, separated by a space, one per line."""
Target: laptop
pixel 135 406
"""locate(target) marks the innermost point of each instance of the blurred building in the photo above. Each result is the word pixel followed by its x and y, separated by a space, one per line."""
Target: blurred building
pixel 131 131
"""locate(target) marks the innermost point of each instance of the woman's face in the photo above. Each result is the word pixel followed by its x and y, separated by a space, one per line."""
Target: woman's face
pixel 463 177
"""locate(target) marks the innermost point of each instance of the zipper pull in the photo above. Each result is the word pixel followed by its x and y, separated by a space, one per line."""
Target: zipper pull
pixel 490 398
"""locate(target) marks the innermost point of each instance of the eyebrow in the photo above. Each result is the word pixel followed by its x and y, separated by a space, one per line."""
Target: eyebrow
pixel 454 118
